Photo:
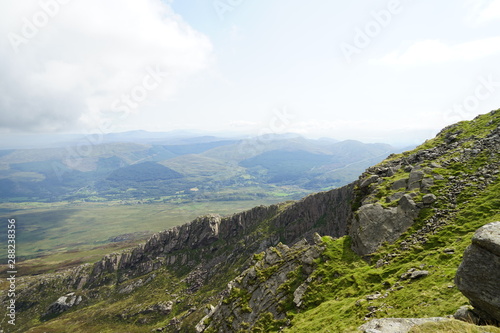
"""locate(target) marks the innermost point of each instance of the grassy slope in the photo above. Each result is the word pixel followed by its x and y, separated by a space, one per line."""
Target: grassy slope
pixel 338 302
pixel 454 327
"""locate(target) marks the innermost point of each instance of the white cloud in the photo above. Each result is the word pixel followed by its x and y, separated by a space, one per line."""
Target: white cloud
pixel 67 63
pixel 483 11
pixel 434 52
pixel 491 12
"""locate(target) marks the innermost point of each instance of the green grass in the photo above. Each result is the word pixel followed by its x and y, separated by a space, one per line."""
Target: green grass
pixel 337 299
pixel 453 326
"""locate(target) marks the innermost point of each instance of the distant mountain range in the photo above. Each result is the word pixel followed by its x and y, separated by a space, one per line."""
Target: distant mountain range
pixel 142 164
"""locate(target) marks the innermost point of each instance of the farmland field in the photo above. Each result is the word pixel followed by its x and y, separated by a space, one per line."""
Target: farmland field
pixel 58 235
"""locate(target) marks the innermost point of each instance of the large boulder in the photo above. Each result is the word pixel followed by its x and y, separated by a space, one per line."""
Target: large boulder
pixel 375 224
pixel 62 304
pixel 478 276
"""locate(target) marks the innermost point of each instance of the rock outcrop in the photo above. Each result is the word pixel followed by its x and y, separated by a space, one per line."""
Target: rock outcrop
pixel 478 276
pixel 327 213
pixel 376 224
pixel 266 290
pixel 396 325
pixel 63 304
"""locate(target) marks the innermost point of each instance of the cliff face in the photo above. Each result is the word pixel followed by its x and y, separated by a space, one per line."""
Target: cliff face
pixel 211 236
pixel 209 251
pixel 268 255
pixel 266 290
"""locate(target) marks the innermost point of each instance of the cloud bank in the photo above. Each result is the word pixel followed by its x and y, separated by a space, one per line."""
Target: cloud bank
pixel 67 64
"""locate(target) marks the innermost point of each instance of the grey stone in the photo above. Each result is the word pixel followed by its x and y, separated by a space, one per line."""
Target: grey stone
pixel 368 181
pixel 429 199
pixel 426 184
pixel 415 179
pixel 299 293
pixel 488 237
pixel 375 224
pixel 479 273
pixel 396 196
pixel 131 287
pixel 399 184
pixel 396 325
pixel 418 274
pixel 63 304
pixel 466 314
pixel 264 293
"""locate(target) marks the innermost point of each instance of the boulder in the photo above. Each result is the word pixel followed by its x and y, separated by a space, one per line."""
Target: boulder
pixel 63 304
pixel 396 325
pixel 429 199
pixel 414 182
pixel 400 184
pixel 376 224
pixel 368 181
pixel 478 276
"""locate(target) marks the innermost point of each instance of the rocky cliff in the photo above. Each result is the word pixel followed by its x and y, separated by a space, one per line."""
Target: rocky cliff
pixel 261 270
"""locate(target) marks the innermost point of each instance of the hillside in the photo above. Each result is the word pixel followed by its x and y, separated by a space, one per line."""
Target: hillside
pixel 112 169
pixel 386 245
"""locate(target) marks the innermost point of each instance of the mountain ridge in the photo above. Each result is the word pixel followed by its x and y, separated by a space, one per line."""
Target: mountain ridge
pixel 446 188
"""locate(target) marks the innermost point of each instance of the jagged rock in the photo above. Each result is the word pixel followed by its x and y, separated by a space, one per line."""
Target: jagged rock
pixel 375 224
pixel 396 325
pixel 63 304
pixel 131 287
pixel 479 273
pixel 195 279
pixel 299 221
pixel 262 287
pixel 299 293
pixel 164 308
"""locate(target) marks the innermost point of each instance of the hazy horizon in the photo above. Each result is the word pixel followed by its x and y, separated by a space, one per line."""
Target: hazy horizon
pixel 371 71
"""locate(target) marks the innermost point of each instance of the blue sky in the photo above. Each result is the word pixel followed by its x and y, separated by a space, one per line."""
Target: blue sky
pixel 377 71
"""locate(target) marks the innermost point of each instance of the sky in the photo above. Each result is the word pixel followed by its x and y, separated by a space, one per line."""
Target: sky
pixel 394 71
